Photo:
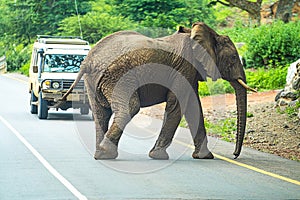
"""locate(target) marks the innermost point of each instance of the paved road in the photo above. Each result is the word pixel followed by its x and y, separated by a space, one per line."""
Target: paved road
pixel 52 159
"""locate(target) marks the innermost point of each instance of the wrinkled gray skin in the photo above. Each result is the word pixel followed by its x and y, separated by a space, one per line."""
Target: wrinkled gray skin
pixel 126 71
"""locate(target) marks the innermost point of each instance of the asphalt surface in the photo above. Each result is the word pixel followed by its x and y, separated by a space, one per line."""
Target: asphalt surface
pixel 52 159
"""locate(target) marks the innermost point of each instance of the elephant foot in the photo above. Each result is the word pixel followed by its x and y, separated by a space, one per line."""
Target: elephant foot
pixel 107 150
pixel 203 155
pixel 159 154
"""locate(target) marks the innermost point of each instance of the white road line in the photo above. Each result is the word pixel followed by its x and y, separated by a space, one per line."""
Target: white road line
pixel 44 162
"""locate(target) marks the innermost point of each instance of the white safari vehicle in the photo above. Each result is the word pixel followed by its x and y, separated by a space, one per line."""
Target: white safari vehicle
pixel 55 62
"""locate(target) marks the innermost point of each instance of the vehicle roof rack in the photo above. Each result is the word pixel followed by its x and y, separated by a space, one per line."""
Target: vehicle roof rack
pixel 71 40
pixel 58 37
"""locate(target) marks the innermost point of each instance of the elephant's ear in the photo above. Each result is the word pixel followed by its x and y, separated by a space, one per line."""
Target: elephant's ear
pixel 204 48
pixel 182 29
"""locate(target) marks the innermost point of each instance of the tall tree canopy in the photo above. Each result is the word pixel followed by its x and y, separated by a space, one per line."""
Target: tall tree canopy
pixel 164 13
pixel 25 19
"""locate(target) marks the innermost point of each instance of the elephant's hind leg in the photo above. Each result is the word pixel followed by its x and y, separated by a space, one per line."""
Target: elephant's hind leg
pixel 102 116
pixel 172 119
pixel 109 145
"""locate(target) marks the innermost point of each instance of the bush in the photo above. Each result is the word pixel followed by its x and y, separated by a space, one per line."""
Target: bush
pixel 273 45
pixel 17 56
pixel 269 45
pixel 214 87
pixel 25 69
pixel 263 79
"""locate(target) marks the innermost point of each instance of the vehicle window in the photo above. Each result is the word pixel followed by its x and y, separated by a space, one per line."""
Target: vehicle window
pixel 62 63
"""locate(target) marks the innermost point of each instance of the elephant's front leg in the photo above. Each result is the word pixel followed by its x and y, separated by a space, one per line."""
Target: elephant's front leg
pixel 194 117
pixel 172 119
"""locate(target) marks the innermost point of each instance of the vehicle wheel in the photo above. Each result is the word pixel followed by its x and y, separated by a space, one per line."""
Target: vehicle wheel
pixel 33 108
pixel 42 108
pixel 84 110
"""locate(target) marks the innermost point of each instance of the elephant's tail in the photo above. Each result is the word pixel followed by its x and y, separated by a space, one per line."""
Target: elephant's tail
pixel 64 98
pixel 79 76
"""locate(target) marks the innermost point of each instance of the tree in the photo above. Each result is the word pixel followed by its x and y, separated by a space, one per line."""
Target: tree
pixel 96 24
pixel 284 9
pixel 28 18
pixel 22 20
pixel 164 13
pixel 252 7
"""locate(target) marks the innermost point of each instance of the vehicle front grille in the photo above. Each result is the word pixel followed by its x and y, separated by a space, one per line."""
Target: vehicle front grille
pixel 67 84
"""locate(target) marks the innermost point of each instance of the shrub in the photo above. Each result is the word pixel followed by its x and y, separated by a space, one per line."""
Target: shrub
pixel 17 56
pixel 214 87
pixel 269 45
pixel 264 79
pixel 272 45
pixel 25 69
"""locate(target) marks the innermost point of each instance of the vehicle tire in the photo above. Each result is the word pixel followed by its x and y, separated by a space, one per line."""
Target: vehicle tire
pixel 84 110
pixel 42 108
pixel 33 108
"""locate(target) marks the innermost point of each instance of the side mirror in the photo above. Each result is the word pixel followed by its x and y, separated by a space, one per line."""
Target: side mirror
pixel 41 51
pixel 35 69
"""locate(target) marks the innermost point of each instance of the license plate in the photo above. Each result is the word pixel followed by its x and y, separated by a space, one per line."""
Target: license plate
pixel 73 97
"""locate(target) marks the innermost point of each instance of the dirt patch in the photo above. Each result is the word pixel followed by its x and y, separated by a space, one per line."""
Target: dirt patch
pixel 273 131
pixel 268 128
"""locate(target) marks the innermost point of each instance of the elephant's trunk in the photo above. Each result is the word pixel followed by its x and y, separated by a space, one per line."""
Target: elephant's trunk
pixel 241 102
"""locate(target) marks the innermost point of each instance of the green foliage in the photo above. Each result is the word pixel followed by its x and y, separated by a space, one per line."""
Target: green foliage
pixel 263 79
pixel 225 128
pixel 273 45
pixel 229 16
pixel 183 123
pixel 25 69
pixel 21 21
pixel 249 115
pixel 26 19
pixel 96 24
pixel 17 56
pixel 211 88
pixel 292 111
pixel 269 45
pixel 164 13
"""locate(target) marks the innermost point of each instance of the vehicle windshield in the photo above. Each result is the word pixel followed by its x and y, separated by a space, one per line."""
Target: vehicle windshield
pixel 62 63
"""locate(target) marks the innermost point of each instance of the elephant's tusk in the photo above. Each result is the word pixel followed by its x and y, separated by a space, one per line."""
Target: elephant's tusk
pixel 246 86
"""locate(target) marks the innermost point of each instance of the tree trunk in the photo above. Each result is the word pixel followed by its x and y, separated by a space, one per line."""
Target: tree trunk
pixel 284 10
pixel 253 8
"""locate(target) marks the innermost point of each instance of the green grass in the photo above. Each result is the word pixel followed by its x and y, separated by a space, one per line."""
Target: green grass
pixel 291 111
pixel 225 129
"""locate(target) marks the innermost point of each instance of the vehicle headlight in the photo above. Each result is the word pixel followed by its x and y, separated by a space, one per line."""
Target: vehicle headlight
pixel 46 84
pixel 55 85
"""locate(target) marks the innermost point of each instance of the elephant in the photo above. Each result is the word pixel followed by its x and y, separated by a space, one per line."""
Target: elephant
pixel 127 70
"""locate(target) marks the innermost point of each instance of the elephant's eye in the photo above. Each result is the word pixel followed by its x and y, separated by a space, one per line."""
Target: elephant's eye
pixel 233 58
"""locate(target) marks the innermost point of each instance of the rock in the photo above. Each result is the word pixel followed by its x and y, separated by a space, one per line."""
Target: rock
pixel 289 95
pixel 286 126
pixel 299 113
pixel 293 103
pixel 283 102
pixel 296 83
pixel 250 131
pixel 291 92
pixel 291 72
